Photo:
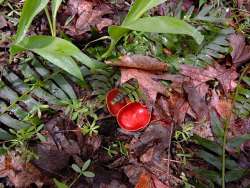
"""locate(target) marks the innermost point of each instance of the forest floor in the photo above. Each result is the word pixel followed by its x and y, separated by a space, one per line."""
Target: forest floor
pixel 122 93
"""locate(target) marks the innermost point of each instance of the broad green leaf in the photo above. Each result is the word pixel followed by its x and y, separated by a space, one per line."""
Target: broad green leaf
pixel 60 184
pixel 234 175
pixel 165 24
pixel 76 168
pixel 56 50
pixel 86 165
pixel 88 174
pixel 54 8
pixel 30 9
pixel 139 8
pixel 216 126
pixel 210 158
pixel 237 141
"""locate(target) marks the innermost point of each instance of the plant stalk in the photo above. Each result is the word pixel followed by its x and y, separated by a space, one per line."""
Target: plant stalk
pixel 223 170
pixel 49 20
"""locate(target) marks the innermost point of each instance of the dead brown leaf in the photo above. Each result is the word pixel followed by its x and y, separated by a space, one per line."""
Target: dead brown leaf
pixel 87 14
pixel 3 22
pixel 222 106
pixel 20 173
pixel 147 84
pixel 197 103
pixel 241 51
pixel 199 76
pixel 139 62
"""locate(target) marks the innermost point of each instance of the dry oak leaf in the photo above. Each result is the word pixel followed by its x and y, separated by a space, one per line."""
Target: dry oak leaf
pixel 20 173
pixel 199 76
pixel 147 84
pixel 88 14
pixel 241 51
pixel 143 69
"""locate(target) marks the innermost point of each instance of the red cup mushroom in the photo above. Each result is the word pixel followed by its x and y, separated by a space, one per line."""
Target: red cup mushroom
pixel 112 105
pixel 133 117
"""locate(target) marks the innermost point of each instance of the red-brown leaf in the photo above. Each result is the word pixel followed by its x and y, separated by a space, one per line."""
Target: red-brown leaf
pixel 139 62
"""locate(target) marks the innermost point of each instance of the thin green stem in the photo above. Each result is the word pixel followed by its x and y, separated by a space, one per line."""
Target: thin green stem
pixel 54 27
pixel 223 170
pixel 49 20
pixel 73 182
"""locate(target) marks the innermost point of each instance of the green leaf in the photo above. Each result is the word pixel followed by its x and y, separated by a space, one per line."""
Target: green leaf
pixel 41 137
pixel 30 9
pixel 202 2
pixel 209 174
pixel 54 8
pixel 86 165
pixel 76 168
pixel 88 174
pixel 216 126
pixel 210 158
pixel 3 151
pixel 56 50
pixel 139 8
pixel 237 141
pixel 60 184
pixel 246 79
pixel 208 144
pixel 165 24
pixel 4 135
pixel 234 175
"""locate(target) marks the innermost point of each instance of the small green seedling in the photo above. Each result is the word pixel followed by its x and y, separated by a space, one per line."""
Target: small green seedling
pixel 82 171
pixel 116 148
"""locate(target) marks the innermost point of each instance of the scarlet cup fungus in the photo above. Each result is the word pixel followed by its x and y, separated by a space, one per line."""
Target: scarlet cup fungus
pixel 133 117
pixel 113 105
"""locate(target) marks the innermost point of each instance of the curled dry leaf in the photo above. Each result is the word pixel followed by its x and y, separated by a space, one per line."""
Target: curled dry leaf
pixel 139 62
pixel 87 14
pixel 241 51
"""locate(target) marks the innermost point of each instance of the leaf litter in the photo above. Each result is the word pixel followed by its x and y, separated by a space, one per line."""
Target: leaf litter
pixel 191 95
